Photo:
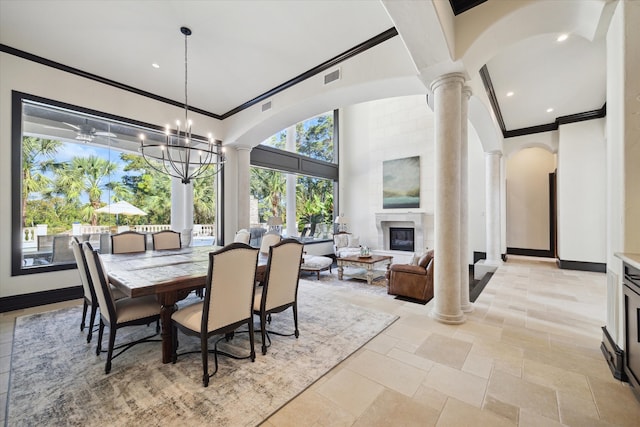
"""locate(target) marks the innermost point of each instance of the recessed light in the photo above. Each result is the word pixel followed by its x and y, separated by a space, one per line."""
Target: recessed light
pixel 509 93
pixel 154 65
pixel 549 110
pixel 562 37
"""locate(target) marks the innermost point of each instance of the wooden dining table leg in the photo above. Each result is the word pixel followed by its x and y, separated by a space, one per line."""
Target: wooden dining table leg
pixel 168 301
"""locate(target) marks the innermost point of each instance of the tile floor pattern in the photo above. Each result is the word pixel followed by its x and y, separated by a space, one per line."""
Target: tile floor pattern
pixel 528 355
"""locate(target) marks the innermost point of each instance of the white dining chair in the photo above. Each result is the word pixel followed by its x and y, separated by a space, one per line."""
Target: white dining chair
pixel 268 240
pixel 242 236
pixel 280 286
pixel 128 242
pixel 227 304
pixel 90 299
pixel 121 313
pixel 166 239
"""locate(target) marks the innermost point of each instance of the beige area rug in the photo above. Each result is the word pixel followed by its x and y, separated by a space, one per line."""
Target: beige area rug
pixel 56 378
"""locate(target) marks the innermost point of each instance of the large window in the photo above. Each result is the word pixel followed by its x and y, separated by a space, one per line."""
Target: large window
pixel 70 168
pixel 314 138
pixel 312 172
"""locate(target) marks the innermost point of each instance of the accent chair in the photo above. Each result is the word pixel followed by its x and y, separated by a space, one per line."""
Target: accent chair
pixel 412 281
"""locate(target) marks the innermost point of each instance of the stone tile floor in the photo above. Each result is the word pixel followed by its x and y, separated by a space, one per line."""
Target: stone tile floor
pixel 528 355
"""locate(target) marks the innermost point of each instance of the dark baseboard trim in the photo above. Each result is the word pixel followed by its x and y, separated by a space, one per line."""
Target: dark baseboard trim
pixel 614 356
pixel 477 256
pixel 597 267
pixel 474 292
pixel 541 253
pixel 20 302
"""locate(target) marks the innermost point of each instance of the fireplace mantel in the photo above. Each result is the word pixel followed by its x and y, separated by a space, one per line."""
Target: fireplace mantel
pixel 422 222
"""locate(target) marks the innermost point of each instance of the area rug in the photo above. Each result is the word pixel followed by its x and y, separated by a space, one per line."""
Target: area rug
pixel 56 378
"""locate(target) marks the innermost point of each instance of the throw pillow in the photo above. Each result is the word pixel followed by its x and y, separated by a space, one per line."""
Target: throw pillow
pixel 341 240
pixel 414 259
pixel 354 241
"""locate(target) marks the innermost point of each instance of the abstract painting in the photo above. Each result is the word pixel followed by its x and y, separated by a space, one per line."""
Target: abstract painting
pixel 401 183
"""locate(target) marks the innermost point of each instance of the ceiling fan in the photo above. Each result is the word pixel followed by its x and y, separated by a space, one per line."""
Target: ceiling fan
pixel 85 132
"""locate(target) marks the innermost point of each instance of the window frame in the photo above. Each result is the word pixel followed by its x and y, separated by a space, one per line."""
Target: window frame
pixel 17 101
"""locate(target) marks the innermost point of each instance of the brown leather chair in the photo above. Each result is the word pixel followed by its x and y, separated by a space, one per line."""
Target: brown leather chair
pixel 412 281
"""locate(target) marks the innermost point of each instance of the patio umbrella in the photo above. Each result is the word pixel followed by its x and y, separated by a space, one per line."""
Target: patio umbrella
pixel 120 208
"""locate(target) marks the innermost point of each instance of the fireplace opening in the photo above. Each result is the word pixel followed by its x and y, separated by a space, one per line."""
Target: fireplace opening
pixel 401 239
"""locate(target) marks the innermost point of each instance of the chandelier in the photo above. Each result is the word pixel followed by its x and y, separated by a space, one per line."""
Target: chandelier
pixel 180 154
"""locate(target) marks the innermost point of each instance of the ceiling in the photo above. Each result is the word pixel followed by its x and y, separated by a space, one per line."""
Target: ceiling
pixel 241 50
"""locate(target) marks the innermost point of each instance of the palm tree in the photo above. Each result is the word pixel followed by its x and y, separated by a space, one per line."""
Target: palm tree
pixel 268 186
pixel 33 168
pixel 85 175
pixel 204 201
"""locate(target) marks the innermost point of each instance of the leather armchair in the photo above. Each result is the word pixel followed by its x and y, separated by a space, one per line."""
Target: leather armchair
pixel 412 281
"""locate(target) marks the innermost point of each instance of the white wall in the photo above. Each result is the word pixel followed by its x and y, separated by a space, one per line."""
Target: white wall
pixel 582 192
pixel 380 130
pixel 527 198
pixel 390 129
pixel 477 200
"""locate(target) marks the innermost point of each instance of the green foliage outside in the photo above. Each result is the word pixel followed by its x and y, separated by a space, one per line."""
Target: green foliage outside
pixel 314 196
pixel 61 193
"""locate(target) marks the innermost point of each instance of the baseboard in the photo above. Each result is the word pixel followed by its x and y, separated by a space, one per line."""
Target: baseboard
pixel 598 267
pixel 614 356
pixel 474 292
pixel 20 302
pixel 540 253
pixel 477 256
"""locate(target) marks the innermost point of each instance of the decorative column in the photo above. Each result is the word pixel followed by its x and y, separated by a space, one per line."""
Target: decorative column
pixel 182 209
pixel 244 175
pixel 447 92
pixel 492 201
pixel 292 179
pixel 465 304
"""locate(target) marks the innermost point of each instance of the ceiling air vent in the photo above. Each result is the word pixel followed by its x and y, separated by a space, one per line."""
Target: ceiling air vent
pixel 266 106
pixel 332 76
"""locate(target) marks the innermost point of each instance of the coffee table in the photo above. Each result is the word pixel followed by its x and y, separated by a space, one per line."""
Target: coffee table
pixel 368 263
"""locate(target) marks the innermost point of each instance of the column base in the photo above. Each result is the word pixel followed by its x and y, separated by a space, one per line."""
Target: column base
pixel 447 318
pixel 467 308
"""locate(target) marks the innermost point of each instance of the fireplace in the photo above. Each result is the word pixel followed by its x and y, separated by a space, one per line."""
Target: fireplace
pixel 401 239
pixel 420 222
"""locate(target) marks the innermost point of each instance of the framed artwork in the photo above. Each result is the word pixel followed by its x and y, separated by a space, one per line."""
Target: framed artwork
pixel 401 183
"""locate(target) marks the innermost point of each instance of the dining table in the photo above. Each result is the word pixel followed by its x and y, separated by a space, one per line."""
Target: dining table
pixel 170 275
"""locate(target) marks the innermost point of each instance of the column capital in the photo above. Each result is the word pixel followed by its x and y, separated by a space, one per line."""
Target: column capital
pixel 454 78
pixel 497 153
pixel 466 91
pixel 243 148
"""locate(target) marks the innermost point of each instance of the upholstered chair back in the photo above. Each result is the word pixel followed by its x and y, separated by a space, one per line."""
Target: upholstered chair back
pixel 283 270
pixel 81 262
pixel 128 242
pixel 166 239
pixel 268 240
pixel 98 276
pixel 242 236
pixel 230 285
